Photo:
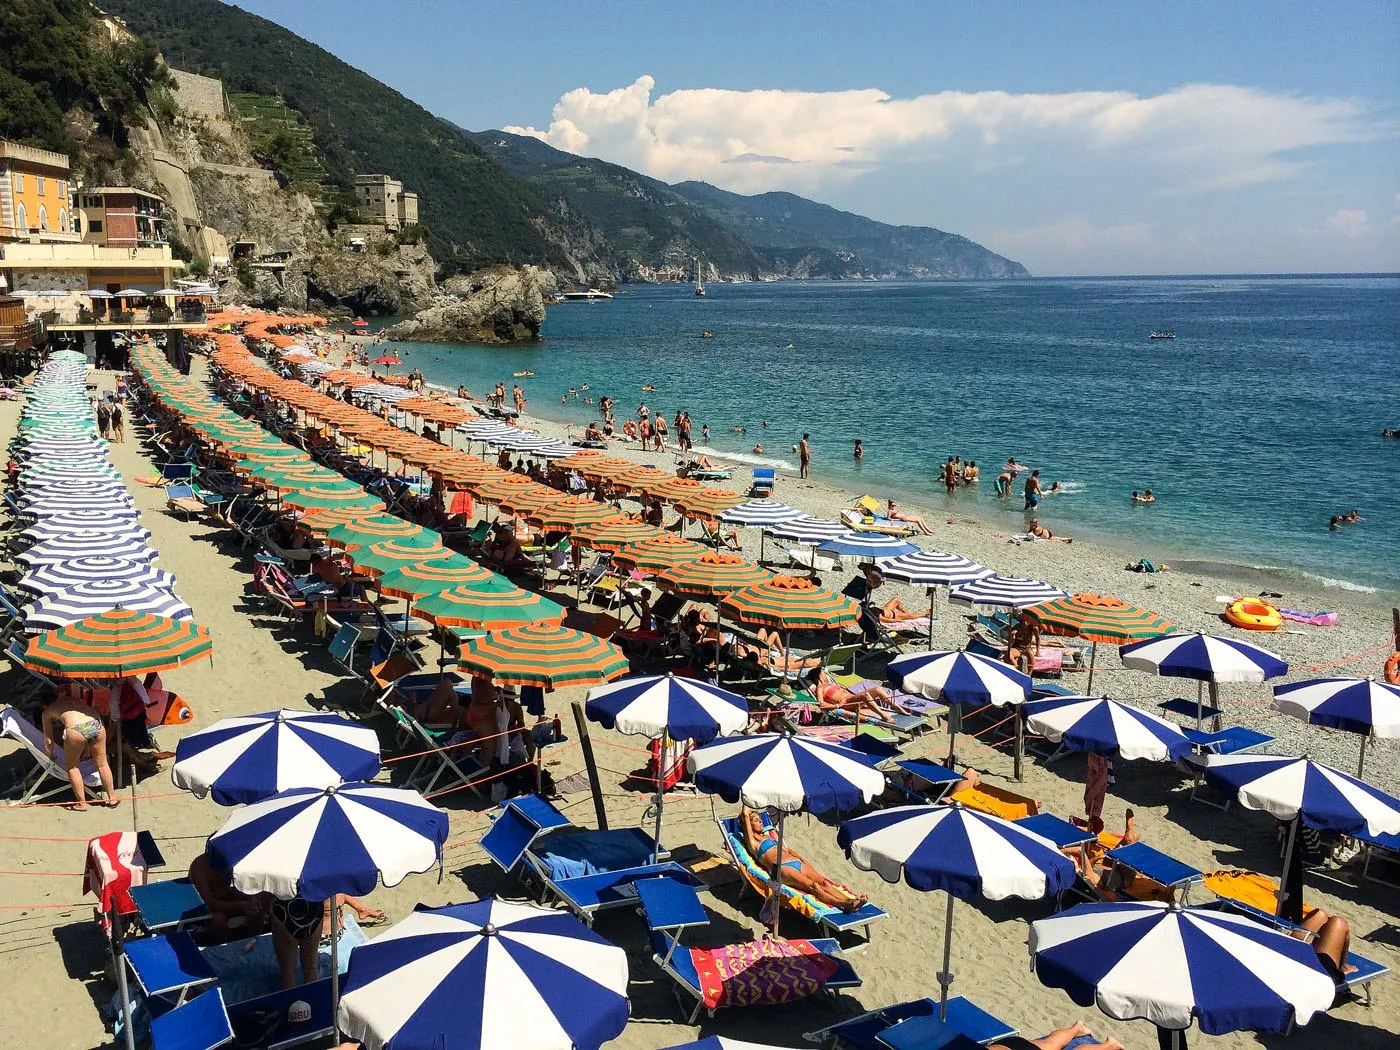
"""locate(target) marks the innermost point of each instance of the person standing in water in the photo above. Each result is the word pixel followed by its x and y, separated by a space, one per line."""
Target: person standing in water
pixel 859 451
pixel 1033 491
pixel 804 455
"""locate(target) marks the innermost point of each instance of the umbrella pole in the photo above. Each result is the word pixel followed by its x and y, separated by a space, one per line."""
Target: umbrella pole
pixel 776 899
pixel 1288 861
pixel 945 975
pixel 660 795
pixel 932 593
pixel 119 964
pixel 954 724
pixel 1093 658
pixel 335 968
pixel 1215 703
pixel 1361 765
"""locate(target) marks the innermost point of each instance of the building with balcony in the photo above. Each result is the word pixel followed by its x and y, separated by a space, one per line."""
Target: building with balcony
pixel 34 201
pixel 121 217
pixel 91 287
pixel 383 200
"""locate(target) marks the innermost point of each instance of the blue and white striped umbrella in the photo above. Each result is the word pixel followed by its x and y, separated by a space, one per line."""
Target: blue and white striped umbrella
pixel 83 544
pixel 935 569
pixel 549 449
pixel 316 367
pixel 1106 727
pixel 47 504
pixel 1170 965
pixel 960 678
pixel 64 477
pixel 785 772
pixel 313 843
pixel 481 429
pixel 52 611
pixel 656 705
pixel 113 520
pixel 867 546
pixel 965 853
pixel 1287 787
pixel 1357 705
pixel 960 851
pixel 1005 592
pixel 53 577
pixel 1204 658
pixel 96 486
pixel 483 976
pixel 71 447
pixel 250 757
pixel 807 529
pixel 760 513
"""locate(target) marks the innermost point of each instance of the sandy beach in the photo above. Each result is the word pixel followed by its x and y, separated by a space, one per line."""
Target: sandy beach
pixel 53 954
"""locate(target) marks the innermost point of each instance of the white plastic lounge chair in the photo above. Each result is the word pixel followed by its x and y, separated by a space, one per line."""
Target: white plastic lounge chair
pixel 48 766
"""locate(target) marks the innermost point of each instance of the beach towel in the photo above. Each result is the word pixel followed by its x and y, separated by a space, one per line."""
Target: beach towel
pixel 772 970
pixel 1317 619
pixel 116 862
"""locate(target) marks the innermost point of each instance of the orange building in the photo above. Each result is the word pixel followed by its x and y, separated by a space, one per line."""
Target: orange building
pixel 34 195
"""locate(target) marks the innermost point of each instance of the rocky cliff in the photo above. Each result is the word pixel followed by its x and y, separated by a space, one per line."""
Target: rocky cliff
pixel 494 305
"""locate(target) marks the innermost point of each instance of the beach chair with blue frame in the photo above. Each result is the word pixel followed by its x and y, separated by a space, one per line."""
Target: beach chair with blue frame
pixel 854 926
pixel 15 726
pixel 167 969
pixel 1233 740
pixel 868 1031
pixel 283 1034
pixel 1386 849
pixel 200 1024
pixel 765 480
pixel 1357 984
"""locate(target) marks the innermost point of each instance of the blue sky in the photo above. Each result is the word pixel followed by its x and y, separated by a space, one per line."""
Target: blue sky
pixel 1077 138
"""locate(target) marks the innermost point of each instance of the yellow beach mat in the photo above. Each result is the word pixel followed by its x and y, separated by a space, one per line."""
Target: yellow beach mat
pixel 997 801
pixel 1248 887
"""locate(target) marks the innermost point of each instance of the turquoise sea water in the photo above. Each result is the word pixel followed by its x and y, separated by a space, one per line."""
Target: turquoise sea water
pixel 1255 425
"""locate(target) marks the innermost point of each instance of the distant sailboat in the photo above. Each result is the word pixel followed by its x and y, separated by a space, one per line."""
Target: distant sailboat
pixel 699 279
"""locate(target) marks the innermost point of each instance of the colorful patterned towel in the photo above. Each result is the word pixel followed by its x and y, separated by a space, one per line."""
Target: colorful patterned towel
pixel 772 970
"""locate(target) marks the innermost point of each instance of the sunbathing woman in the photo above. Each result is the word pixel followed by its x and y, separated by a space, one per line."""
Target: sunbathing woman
pixel 895 611
pixel 82 735
pixel 771 652
pixel 831 695
pixel 893 512
pixel 1331 940
pixel 1057 1040
pixel 762 844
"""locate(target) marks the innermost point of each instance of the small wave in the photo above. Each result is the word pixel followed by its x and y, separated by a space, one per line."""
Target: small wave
pixel 1260 573
pixel 1069 488
pixel 1341 585
pixel 746 457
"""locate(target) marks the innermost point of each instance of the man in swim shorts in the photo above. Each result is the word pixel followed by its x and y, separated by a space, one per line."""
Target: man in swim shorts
pixel 1033 491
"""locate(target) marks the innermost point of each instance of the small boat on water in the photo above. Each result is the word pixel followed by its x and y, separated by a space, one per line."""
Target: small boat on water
pixel 589 295
pixel 1165 333
pixel 699 279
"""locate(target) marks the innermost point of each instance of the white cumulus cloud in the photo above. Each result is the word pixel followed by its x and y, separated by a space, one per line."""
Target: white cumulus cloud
pixel 1194 138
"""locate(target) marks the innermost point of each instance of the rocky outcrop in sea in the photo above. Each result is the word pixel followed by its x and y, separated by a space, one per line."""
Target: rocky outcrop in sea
pixel 498 304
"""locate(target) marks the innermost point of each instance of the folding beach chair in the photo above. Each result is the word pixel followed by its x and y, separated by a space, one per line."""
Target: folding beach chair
pixel 168 968
pixel 876 1029
pixel 279 1032
pixel 1382 848
pixel 180 499
pixel 16 727
pixel 440 768
pixel 171 905
pixel 200 1024
pixel 765 480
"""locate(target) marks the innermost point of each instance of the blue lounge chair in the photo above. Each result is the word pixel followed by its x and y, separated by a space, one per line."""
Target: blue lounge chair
pixel 1386 848
pixel 868 1030
pixel 285 1033
pixel 833 921
pixel 1235 740
pixel 1167 871
pixel 167 969
pixel 200 1024
pixel 765 480
pixel 171 905
pixel 927 780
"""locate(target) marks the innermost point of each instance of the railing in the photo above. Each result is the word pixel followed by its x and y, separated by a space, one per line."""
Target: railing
pixel 19 337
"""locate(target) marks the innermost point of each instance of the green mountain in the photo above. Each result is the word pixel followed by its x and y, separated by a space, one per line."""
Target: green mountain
pixel 650 231
pixel 653 227
pixel 474 211
pixel 786 222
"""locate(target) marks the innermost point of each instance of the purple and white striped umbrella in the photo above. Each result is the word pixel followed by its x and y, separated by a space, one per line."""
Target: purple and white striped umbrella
pixel 47 504
pixel 83 544
pixel 1008 592
pixel 87 599
pixel 935 569
pixel 54 577
pixel 760 513
pixel 96 485
pixel 57 526
pixel 807 529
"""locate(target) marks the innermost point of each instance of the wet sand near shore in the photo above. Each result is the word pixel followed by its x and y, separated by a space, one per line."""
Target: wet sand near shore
pixel 51 958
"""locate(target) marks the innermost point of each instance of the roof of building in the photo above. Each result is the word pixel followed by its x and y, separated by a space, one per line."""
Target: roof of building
pixel 104 190
pixel 14 151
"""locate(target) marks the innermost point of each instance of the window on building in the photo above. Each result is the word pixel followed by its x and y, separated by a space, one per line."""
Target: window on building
pixel 40 180
pixel 23 219
pixel 19 184
pixel 62 188
pixel 62 220
pixel 94 226
pixel 91 200
pixel 43 218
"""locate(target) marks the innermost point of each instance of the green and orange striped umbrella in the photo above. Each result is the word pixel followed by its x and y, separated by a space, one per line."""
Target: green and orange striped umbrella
pixel 315 499
pixel 544 655
pixel 659 553
pixel 525 500
pixel 287 482
pixel 488 607
pixel 639 477
pixel 790 602
pixel 713 573
pixel 672 489
pixel 117 643
pixel 602 467
pixel 614 535
pixel 570 513
pixel 379 558
pixel 582 458
pixel 378 528
pixel 492 488
pixel 1098 618
pixel 708 503
pixel 323 522
pixel 433 577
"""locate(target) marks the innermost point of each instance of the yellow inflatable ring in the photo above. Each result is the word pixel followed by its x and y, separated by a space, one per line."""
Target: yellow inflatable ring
pixel 1253 614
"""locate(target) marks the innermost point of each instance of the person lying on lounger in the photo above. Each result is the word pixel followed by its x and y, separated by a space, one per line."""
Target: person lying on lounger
pixel 831 694
pixel 895 611
pixel 762 844
pixel 1057 1040
pixel 770 652
pixel 1331 939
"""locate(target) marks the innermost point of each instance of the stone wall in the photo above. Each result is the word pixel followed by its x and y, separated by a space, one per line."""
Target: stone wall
pixel 197 95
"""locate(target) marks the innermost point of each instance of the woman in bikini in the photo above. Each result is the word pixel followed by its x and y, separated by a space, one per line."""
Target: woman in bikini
pixel 831 695
pixel 762 844
pixel 83 735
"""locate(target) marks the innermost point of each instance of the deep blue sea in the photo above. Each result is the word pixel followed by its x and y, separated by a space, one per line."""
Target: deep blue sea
pixel 1253 427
